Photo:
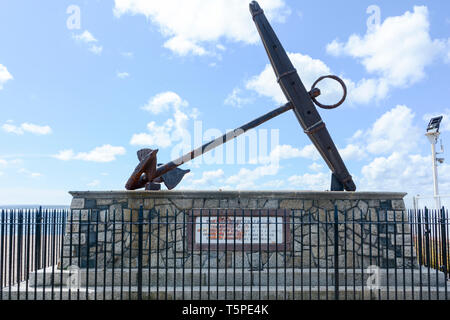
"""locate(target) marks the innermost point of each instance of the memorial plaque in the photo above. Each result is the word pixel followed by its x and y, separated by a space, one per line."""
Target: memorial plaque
pixel 239 230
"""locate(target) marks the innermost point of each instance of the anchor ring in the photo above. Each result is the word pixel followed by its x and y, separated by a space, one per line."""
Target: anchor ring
pixel 324 106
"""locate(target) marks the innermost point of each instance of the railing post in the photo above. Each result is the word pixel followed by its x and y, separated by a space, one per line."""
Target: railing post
pixel 419 237
pixel 19 245
pixel 445 254
pixel 37 243
pixel 427 239
pixel 10 254
pixel 140 240
pixel 2 248
pixel 336 253
pixel 444 241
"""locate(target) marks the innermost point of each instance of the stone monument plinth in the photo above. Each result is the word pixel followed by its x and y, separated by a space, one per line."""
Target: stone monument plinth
pixel 372 229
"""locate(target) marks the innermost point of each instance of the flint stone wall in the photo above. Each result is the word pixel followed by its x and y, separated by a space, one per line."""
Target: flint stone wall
pixel 313 244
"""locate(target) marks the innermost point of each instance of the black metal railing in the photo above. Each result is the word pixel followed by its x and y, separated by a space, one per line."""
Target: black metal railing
pixel 228 254
pixel 30 240
pixel 431 238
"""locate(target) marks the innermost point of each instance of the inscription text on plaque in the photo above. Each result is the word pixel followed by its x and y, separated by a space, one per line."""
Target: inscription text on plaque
pixel 238 230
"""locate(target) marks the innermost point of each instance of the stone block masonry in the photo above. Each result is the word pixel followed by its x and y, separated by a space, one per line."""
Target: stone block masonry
pixel 372 229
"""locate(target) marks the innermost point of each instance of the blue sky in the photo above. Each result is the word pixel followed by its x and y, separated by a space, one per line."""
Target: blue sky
pixel 85 84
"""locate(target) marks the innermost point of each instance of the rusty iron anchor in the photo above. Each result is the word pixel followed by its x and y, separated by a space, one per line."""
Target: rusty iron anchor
pixel 150 174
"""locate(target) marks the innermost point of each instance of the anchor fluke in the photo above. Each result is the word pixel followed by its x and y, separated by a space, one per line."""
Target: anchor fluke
pixel 146 168
pixel 173 177
pixel 146 173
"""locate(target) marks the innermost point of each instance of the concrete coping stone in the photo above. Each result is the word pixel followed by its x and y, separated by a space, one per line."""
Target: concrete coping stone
pixel 193 194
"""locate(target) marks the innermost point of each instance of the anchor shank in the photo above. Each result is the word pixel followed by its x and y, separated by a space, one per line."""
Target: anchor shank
pixel 219 141
pixel 295 92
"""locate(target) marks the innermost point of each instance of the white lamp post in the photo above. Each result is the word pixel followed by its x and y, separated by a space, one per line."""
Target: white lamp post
pixel 433 135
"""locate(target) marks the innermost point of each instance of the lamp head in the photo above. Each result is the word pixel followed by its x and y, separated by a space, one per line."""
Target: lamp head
pixel 434 124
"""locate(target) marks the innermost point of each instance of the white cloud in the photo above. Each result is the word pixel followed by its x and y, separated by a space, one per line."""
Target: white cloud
pixel 29 173
pixel 122 75
pixel 288 152
pixel 10 128
pixel 194 113
pixel 397 51
pixel 358 134
pixel 5 163
pixel 13 162
pixel 221 47
pixel 393 131
pixel 395 54
pixel 249 178
pixel 87 38
pixel 398 171
pixel 191 25
pixel 4 76
pixel 411 173
pixel 285 151
pixel 105 153
pixel 397 165
pixel 94 183
pixel 352 152
pixel 272 184
pixel 36 129
pixel 159 136
pixel 315 166
pixel 127 54
pixel 392 139
pixel 447 56
pixel 65 155
pixel 390 144
pixel 366 90
pixel 309 70
pixel 96 49
pixel 308 181
pixel 164 101
pixel 236 99
pixel 209 177
pixel 246 178
pixel 445 123
pixel 184 47
pixel 394 164
pixel 26 127
pixel 173 129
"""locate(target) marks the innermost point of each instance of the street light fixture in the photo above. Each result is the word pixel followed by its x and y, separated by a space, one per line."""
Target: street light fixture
pixel 433 135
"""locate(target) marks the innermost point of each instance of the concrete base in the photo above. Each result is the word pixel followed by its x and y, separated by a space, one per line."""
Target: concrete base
pixel 299 284
pixel 239 277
